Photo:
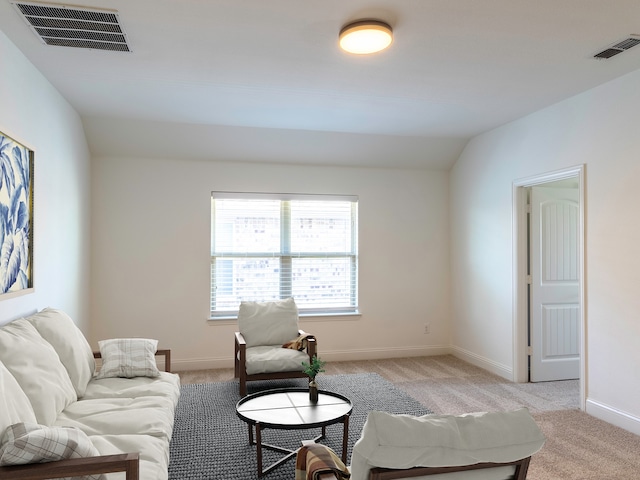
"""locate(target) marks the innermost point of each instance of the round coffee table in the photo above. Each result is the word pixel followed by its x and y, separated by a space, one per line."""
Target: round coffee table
pixel 290 409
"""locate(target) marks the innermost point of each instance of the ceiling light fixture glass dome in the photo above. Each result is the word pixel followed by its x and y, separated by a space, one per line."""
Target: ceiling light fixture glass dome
pixel 365 36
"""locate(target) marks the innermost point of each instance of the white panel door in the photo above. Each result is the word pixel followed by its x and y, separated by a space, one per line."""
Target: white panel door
pixel 555 295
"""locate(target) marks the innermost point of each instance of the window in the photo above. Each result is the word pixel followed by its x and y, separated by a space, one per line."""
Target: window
pixel 268 247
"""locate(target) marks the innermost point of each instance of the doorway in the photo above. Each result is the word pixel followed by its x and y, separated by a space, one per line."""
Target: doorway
pixel 549 321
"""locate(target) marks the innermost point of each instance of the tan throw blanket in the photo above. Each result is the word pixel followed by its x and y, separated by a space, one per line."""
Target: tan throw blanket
pixel 299 343
pixel 313 459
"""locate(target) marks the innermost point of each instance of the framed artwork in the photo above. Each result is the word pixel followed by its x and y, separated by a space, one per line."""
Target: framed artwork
pixel 16 218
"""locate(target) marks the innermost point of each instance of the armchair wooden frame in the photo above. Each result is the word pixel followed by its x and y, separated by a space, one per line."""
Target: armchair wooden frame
pixel 240 360
pixel 129 463
pixel 522 466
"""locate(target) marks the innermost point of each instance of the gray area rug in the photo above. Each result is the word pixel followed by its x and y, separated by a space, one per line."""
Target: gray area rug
pixel 211 442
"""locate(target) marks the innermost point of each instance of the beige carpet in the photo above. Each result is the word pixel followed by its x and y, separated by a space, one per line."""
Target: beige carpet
pixel 578 447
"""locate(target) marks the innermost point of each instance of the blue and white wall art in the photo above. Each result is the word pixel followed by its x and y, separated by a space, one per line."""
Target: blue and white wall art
pixel 16 217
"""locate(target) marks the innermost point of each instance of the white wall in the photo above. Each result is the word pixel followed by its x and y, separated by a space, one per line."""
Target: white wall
pixel 600 129
pixel 151 255
pixel 35 114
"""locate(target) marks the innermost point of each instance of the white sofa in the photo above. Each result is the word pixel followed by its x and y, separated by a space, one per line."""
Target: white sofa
pixel 48 377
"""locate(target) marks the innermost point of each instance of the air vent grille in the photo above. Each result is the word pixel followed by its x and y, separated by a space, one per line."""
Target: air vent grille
pixel 77 27
pixel 64 24
pixel 84 35
pixel 618 48
pixel 65 42
pixel 608 53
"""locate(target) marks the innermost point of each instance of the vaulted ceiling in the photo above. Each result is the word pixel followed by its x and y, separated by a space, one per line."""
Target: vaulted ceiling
pixel 456 68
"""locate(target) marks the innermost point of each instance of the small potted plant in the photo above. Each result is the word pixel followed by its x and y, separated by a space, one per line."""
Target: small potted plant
pixel 312 369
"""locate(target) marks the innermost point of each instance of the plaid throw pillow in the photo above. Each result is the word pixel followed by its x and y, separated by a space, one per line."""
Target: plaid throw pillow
pixel 24 443
pixel 128 358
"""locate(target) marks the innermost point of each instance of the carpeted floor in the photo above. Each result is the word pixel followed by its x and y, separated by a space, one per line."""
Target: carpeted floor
pixel 206 417
pixel 578 447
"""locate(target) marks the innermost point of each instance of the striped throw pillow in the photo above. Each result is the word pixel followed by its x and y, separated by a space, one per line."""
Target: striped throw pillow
pixel 128 358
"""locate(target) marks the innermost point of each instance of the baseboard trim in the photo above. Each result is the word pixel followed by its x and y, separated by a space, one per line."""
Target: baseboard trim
pixel 384 353
pixel 499 369
pixel 179 365
pixel 614 416
pixel 201 364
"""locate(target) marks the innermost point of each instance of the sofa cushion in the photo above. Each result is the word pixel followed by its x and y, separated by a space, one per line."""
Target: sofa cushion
pixel 268 323
pixel 152 416
pixel 166 385
pixel 36 366
pixel 14 404
pixel 153 451
pixel 274 358
pixel 405 441
pixel 25 443
pixel 128 358
pixel 75 353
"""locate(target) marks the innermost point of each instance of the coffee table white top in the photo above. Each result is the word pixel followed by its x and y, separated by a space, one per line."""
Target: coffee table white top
pixel 292 409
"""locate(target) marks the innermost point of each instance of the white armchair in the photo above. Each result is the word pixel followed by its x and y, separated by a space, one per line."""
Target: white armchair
pixel 263 330
pixel 477 446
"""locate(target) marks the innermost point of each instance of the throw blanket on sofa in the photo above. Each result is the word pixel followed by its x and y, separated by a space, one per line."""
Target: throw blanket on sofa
pixel 313 459
pixel 299 343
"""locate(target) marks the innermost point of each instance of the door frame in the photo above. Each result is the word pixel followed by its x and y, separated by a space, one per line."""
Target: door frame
pixel 520 255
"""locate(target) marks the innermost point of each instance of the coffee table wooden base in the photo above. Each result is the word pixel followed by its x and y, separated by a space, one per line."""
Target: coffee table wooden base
pixel 290 453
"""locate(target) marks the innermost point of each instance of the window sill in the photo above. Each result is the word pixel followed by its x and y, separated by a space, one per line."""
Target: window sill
pixel 312 317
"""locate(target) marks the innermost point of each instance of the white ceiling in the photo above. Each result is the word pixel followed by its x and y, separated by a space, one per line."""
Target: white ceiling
pixel 456 68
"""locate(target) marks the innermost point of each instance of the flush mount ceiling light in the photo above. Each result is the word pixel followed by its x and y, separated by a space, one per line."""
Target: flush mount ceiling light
pixel 365 36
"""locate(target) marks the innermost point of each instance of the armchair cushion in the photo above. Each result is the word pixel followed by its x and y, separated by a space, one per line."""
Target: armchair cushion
pixel 274 358
pixel 128 358
pixel 268 323
pixel 405 441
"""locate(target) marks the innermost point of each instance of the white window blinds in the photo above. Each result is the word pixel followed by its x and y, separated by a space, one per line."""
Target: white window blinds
pixel 270 247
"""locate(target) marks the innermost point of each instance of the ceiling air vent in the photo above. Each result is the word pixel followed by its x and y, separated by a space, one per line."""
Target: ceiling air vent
pixel 73 26
pixel 619 47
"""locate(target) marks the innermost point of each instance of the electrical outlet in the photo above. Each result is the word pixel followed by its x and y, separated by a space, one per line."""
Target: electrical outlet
pixel 427 328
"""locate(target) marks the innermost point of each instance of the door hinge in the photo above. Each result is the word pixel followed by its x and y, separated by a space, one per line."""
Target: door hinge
pixel 530 350
pixel 529 279
pixel 528 208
